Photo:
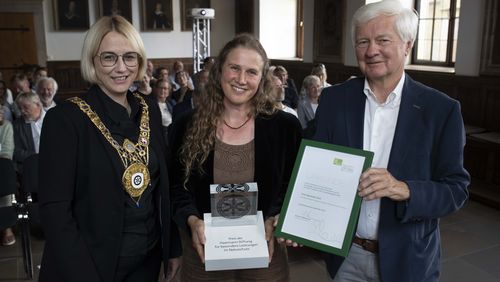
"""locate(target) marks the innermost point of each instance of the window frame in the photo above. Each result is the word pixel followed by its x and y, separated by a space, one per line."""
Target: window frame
pixel 299 49
pixel 449 45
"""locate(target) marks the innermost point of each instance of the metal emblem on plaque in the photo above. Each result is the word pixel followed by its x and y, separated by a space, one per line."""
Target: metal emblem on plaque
pixel 232 204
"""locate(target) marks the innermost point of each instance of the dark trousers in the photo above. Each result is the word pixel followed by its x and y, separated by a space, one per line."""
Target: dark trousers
pixel 144 268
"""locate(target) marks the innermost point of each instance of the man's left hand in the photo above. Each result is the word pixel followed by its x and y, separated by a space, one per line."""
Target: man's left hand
pixel 376 183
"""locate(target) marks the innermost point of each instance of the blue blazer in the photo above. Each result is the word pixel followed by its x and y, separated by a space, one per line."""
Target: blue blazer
pixel 427 154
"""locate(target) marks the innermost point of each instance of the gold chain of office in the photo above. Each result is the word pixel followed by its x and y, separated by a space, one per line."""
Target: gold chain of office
pixel 135 157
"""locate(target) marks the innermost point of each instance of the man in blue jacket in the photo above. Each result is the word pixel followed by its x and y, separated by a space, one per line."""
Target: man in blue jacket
pixel 417 135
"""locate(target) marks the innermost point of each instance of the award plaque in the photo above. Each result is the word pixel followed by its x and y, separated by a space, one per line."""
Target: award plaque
pixel 234 230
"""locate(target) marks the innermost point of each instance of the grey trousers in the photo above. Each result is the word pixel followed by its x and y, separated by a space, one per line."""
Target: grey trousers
pixel 360 266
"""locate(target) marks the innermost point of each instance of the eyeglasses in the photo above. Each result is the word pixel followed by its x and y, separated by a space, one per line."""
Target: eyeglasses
pixel 109 59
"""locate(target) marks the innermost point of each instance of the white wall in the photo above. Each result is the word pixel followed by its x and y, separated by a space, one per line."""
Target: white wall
pixel 63 46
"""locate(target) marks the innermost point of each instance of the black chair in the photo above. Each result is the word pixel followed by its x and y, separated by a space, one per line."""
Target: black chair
pixel 29 209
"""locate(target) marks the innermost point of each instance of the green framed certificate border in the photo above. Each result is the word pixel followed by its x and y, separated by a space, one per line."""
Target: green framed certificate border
pixel 346 244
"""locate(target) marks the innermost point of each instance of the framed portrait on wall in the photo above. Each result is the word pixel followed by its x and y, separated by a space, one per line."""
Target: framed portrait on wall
pixel 156 15
pixel 71 15
pixel 186 6
pixel 115 7
pixel 328 30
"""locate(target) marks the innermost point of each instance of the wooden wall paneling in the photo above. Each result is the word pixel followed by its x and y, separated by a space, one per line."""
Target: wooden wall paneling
pixel 472 102
pixel 474 160
pixel 492 109
pixel 496 171
pixel 68 77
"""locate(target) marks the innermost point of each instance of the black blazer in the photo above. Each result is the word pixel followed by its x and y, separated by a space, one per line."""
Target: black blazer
pixel 277 140
pixel 23 141
pixel 82 199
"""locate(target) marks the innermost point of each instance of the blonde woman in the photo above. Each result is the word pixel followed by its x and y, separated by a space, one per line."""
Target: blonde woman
pixel 104 197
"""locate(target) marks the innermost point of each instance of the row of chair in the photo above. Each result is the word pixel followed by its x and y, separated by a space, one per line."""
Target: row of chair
pixel 23 210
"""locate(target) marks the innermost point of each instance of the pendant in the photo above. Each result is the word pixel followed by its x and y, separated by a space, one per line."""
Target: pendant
pixel 136 179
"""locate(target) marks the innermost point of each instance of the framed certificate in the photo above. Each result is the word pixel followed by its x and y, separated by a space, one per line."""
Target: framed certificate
pixel 321 206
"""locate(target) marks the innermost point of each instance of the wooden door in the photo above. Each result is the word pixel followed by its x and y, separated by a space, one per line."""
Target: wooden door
pixel 17 43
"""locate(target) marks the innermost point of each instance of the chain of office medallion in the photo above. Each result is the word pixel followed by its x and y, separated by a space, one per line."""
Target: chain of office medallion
pixel 142 150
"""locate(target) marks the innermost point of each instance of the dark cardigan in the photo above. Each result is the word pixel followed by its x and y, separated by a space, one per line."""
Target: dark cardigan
pixel 277 140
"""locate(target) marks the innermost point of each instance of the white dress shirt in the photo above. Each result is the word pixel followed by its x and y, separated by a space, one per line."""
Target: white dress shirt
pixel 166 115
pixel 36 130
pixel 289 110
pixel 378 134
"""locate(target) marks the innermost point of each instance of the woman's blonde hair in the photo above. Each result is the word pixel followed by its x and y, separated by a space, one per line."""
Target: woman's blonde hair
pixel 201 133
pixel 93 40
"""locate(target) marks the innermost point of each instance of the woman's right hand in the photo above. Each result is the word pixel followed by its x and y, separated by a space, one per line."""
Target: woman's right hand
pixel 198 234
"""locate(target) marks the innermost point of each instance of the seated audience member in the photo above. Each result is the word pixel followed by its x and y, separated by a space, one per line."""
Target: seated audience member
pixel 162 73
pixel 202 78
pixel 187 105
pixel 9 99
pixel 6 137
pixel 142 86
pixel 311 89
pixel 179 66
pixel 161 92
pixel 185 90
pixel 319 70
pixel 291 96
pixel 39 73
pixel 202 75
pixel 6 152
pixel 270 72
pixel 29 70
pixel 279 92
pixel 19 83
pixel 28 127
pixel 150 68
pixel 46 88
pixel 4 105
